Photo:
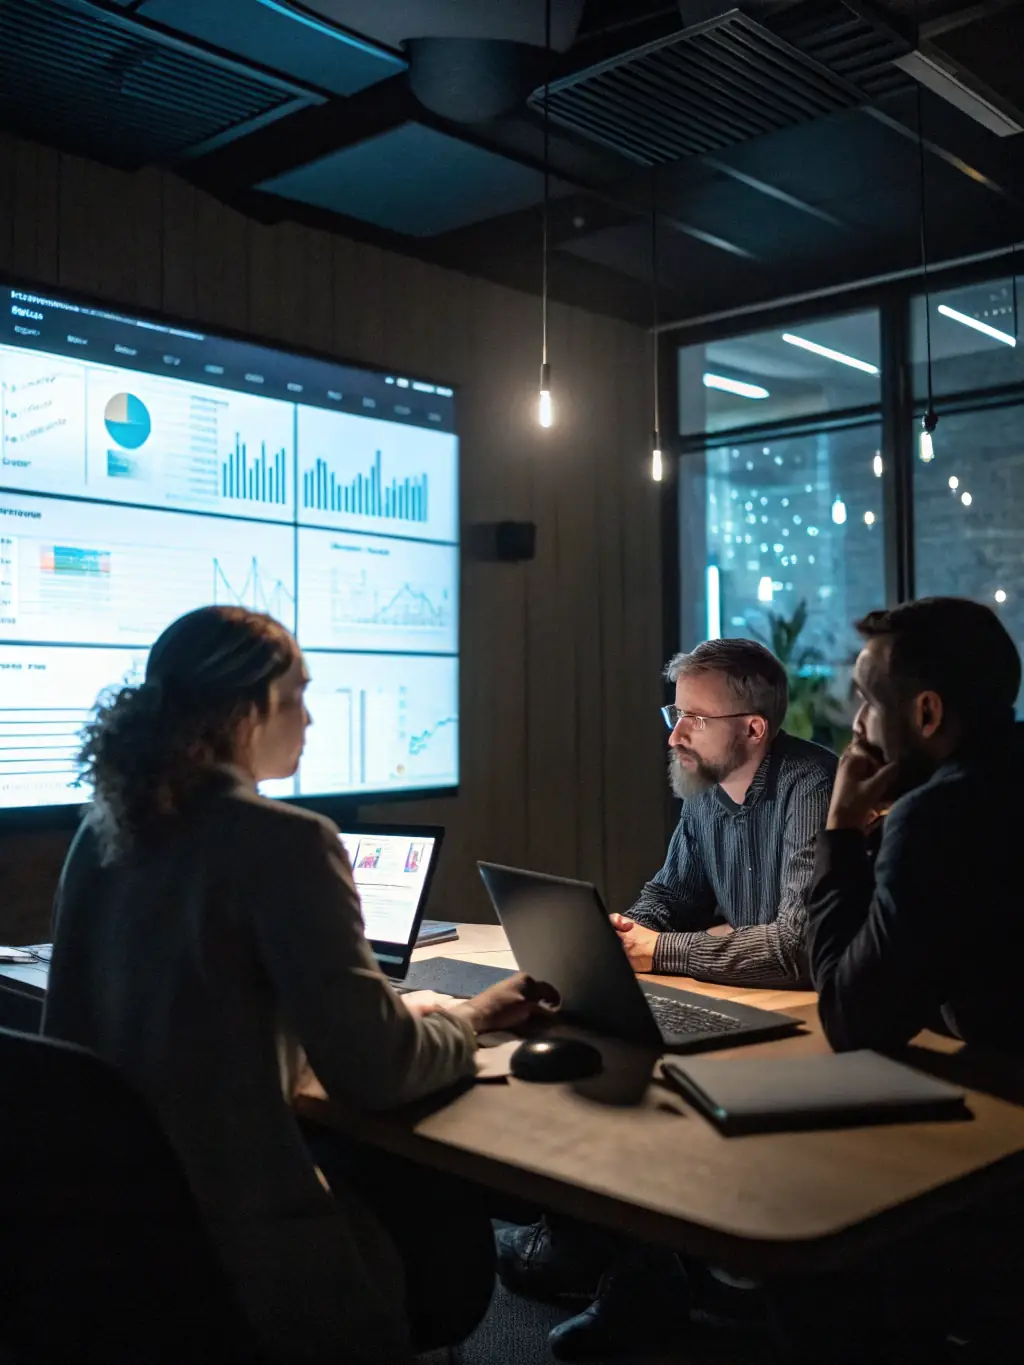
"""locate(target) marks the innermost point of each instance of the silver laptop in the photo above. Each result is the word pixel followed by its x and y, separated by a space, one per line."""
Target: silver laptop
pixel 560 932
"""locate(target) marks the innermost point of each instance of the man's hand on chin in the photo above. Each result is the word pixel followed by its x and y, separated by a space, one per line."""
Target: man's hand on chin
pixel 638 942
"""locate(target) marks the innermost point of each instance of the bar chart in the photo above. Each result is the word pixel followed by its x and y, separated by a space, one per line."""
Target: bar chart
pixel 366 495
pixel 364 474
pixel 255 480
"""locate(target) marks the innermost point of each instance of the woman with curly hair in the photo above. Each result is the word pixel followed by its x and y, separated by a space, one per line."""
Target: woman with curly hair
pixel 207 941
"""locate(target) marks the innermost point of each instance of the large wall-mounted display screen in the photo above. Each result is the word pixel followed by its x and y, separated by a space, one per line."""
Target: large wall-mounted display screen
pixel 148 468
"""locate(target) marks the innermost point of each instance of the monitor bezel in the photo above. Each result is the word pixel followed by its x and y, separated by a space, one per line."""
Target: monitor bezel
pixel 403 951
pixel 67 815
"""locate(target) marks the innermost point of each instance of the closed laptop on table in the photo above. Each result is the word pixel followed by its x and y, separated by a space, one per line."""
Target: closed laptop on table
pixel 783 1094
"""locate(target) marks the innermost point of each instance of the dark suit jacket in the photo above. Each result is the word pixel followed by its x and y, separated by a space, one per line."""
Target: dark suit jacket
pixel 933 926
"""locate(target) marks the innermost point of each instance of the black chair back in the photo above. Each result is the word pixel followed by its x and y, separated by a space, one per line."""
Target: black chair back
pixel 103 1254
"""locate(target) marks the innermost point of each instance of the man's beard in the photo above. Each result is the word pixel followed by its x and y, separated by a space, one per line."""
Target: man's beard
pixel 687 782
pixel 913 769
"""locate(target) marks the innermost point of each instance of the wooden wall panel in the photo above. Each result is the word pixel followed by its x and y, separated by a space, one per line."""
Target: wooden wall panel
pixel 562 748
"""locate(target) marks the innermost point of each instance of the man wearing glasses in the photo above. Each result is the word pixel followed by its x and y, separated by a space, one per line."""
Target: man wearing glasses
pixel 753 800
pixel 741 861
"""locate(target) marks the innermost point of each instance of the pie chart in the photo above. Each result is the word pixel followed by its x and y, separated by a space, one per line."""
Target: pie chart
pixel 127 419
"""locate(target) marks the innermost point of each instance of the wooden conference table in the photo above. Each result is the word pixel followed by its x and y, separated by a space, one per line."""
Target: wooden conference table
pixel 624 1151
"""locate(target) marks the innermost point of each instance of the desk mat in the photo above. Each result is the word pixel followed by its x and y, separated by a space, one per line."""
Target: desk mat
pixel 448 976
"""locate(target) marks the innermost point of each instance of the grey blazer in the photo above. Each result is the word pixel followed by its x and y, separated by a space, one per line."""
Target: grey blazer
pixel 200 968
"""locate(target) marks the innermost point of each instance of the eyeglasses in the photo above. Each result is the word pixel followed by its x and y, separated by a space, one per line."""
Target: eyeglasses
pixel 672 715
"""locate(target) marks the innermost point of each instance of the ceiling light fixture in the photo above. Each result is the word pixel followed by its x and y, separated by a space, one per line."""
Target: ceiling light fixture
pixel 736 386
pixel 829 354
pixel 877 465
pixel 977 325
pixel 838 512
pixel 545 411
pixel 927 70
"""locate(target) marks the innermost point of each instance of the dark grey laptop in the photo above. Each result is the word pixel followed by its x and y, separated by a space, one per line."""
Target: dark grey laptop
pixel 559 932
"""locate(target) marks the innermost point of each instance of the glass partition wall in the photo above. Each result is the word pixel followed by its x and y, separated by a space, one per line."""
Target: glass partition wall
pixel 806 498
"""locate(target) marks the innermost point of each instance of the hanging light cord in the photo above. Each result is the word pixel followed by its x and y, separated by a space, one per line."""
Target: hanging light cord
pixel 924 247
pixel 654 301
pixel 547 183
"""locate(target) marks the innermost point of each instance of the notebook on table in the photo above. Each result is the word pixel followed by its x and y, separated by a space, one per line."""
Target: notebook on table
pixel 784 1094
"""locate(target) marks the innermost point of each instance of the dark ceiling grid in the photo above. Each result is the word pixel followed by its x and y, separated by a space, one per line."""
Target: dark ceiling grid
pixel 843 38
pixel 89 80
pixel 700 90
pixel 784 134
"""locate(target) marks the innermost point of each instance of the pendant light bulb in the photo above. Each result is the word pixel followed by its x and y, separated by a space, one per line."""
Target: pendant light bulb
pixel 657 467
pixel 545 412
pixel 926 448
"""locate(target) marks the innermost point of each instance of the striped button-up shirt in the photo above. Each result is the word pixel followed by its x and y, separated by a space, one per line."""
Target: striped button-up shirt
pixel 751 865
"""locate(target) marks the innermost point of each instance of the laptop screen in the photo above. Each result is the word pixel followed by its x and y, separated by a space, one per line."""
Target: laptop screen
pixel 393 868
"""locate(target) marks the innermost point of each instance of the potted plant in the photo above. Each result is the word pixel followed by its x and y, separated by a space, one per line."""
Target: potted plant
pixel 814 712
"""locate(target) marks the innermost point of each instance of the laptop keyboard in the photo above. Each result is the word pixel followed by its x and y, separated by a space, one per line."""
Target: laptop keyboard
pixel 673 1017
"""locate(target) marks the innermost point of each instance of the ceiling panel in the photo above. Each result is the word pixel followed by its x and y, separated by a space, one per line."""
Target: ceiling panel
pixel 414 180
pixel 93 81
pixel 283 39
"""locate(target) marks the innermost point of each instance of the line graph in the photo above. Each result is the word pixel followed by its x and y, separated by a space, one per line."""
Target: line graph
pixel 261 593
pixel 382 721
pixel 359 601
pixel 371 592
pixel 419 744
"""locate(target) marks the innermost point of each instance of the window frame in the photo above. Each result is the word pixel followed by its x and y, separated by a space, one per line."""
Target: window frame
pixel 898 411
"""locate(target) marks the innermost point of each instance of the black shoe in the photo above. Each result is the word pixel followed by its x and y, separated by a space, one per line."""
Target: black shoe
pixel 550 1260
pixel 638 1311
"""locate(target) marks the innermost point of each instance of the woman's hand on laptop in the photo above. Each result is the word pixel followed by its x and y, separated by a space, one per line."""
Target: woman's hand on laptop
pixel 638 942
pixel 508 1004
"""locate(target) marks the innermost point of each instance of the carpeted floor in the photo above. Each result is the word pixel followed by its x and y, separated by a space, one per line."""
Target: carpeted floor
pixel 515 1333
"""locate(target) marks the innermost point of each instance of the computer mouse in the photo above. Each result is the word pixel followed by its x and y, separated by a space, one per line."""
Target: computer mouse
pixel 554 1059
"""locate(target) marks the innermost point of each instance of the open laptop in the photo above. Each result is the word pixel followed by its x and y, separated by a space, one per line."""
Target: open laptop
pixel 393 866
pixel 560 932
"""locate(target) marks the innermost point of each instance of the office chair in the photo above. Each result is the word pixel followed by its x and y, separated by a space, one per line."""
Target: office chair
pixel 103 1255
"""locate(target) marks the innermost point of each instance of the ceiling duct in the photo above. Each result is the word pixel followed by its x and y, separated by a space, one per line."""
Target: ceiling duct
pixel 973 60
pixel 471 80
pixel 89 80
pixel 849 39
pixel 394 22
pixel 702 89
pixel 469 60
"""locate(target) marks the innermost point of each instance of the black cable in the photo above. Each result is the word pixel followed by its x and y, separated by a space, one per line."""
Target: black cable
pixel 547 181
pixel 923 218
pixel 654 303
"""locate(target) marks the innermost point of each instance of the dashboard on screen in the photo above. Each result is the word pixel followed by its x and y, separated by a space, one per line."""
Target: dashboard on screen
pixel 147 469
